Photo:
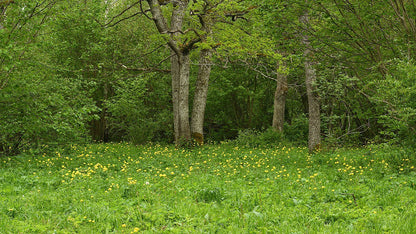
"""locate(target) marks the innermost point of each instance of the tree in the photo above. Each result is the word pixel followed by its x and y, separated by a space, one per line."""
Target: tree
pixel 181 42
pixel 314 138
pixel 99 44
pixel 201 89
pixel 37 108
pixel 288 23
pixel 279 100
pixel 363 47
pixel 179 64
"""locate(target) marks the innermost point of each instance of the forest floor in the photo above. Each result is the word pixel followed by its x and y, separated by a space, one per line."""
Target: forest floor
pixel 223 188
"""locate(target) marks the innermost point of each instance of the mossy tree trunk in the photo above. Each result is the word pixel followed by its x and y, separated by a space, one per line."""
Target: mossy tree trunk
pixel 202 82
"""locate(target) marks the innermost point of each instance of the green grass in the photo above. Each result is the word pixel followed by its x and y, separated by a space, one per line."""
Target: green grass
pixel 213 189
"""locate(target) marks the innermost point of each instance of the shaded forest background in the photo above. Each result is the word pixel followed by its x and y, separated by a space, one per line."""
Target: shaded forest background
pixel 77 71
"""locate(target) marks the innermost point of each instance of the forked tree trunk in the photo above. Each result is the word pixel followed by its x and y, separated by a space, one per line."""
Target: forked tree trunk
pixel 180 66
pixel 314 137
pixel 200 97
pixel 279 102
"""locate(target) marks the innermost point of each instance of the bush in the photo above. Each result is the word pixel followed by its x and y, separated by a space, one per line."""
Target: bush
pixel 137 113
pixel 40 111
pixel 397 93
pixel 252 138
pixel 297 131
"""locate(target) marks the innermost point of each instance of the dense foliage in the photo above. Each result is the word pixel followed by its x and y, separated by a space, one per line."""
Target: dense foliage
pixel 72 72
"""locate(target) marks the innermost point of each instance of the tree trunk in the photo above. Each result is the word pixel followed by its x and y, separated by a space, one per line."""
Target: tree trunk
pixel 183 100
pixel 99 127
pixel 202 82
pixel 180 94
pixel 200 97
pixel 279 102
pixel 180 79
pixel 314 138
pixel 175 74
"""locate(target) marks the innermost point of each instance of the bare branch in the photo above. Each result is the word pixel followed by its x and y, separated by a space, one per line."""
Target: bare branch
pixel 144 12
pixel 163 60
pixel 146 70
pixel 128 17
pixel 121 13
pixel 155 49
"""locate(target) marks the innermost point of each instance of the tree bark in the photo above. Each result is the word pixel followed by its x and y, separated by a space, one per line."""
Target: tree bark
pixel 175 74
pixel 200 97
pixel 180 78
pixel 180 94
pixel 314 137
pixel 202 82
pixel 279 102
pixel 183 102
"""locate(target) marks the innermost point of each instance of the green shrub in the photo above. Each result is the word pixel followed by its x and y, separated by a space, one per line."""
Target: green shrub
pixel 38 111
pixel 252 138
pixel 397 92
pixel 137 114
pixel 297 131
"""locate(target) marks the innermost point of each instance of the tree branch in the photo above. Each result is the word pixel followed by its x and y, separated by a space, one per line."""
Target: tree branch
pixel 128 17
pixel 143 11
pixel 121 13
pixel 146 70
pixel 161 24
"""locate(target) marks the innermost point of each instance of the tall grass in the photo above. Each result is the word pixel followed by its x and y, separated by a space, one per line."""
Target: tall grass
pixel 219 188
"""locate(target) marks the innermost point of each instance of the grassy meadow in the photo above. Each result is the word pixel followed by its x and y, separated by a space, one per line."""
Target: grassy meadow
pixel 121 188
